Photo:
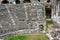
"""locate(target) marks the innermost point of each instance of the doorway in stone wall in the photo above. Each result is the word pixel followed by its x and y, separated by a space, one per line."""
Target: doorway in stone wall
pixel 26 1
pixel 17 1
pixel 48 12
pixel 39 0
pixel 4 1
pixel 48 9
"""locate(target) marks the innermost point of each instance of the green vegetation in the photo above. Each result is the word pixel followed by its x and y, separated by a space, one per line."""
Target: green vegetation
pixel 21 37
pixel 49 25
pixel 28 37
pixel 48 17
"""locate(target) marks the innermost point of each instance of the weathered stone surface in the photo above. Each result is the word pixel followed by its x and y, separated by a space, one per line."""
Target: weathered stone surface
pixel 20 17
pixel 5 20
pixel 32 13
pixel 18 11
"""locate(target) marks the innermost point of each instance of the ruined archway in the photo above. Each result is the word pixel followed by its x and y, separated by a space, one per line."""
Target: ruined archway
pixel 5 1
pixel 48 12
pixel 48 9
pixel 26 1
pixel 39 0
pixel 17 1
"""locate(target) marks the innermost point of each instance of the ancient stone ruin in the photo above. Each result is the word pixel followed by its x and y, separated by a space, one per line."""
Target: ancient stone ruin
pixel 21 18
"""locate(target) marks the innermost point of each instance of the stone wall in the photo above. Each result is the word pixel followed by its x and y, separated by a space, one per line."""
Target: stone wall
pixel 23 0
pixel 22 17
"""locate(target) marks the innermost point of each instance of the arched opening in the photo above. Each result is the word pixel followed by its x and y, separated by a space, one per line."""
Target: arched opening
pixel 48 12
pixel 17 1
pixel 26 1
pixel 39 0
pixel 5 2
pixel 48 9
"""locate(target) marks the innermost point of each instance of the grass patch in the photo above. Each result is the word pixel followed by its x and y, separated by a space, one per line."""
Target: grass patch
pixel 49 25
pixel 17 37
pixel 28 37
